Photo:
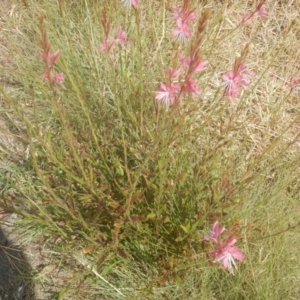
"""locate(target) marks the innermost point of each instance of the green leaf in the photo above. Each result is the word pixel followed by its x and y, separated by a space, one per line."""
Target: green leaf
pixel 160 165
pixel 62 292
pixel 120 171
pixel 186 228
pixel 179 239
pixel 151 216
pixel 179 279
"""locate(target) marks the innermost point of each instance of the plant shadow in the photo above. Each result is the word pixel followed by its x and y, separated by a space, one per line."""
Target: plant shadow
pixel 15 279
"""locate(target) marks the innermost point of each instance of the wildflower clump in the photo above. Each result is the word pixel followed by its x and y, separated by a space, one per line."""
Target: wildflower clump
pixel 116 182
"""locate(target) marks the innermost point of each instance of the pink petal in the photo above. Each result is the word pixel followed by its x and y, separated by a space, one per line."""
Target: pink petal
pixel 225 261
pixel 185 62
pixel 161 95
pixel 191 86
pixel 228 76
pixel 237 254
pixel 230 242
pixel 294 82
pixel 182 31
pixel 121 36
pixel 106 46
pixel 201 66
pixel 262 12
pixel 54 56
pixel 59 77
pixel 49 76
pixel 246 17
pixel 242 70
pixel 217 230
pixel 172 73
pixel 135 3
pixel 163 87
pixel 50 59
pixel 215 233
pixel 130 2
pixel 176 11
pixel 182 14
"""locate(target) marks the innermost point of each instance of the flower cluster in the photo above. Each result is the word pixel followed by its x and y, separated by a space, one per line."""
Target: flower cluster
pixel 107 44
pixel 121 37
pixel 176 86
pixel 182 16
pixel 224 249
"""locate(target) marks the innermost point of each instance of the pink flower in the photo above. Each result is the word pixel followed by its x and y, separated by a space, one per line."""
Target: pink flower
pixel 50 59
pixel 186 62
pixel 226 253
pixel 60 77
pixel 242 71
pixel 233 79
pixel 121 36
pixel 246 17
pixel 231 84
pixel 106 46
pixel 182 32
pixel 294 82
pixel 167 94
pixel 224 250
pixel 130 2
pixel 51 77
pixel 183 14
pixel 191 86
pixel 215 233
pixel 261 11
